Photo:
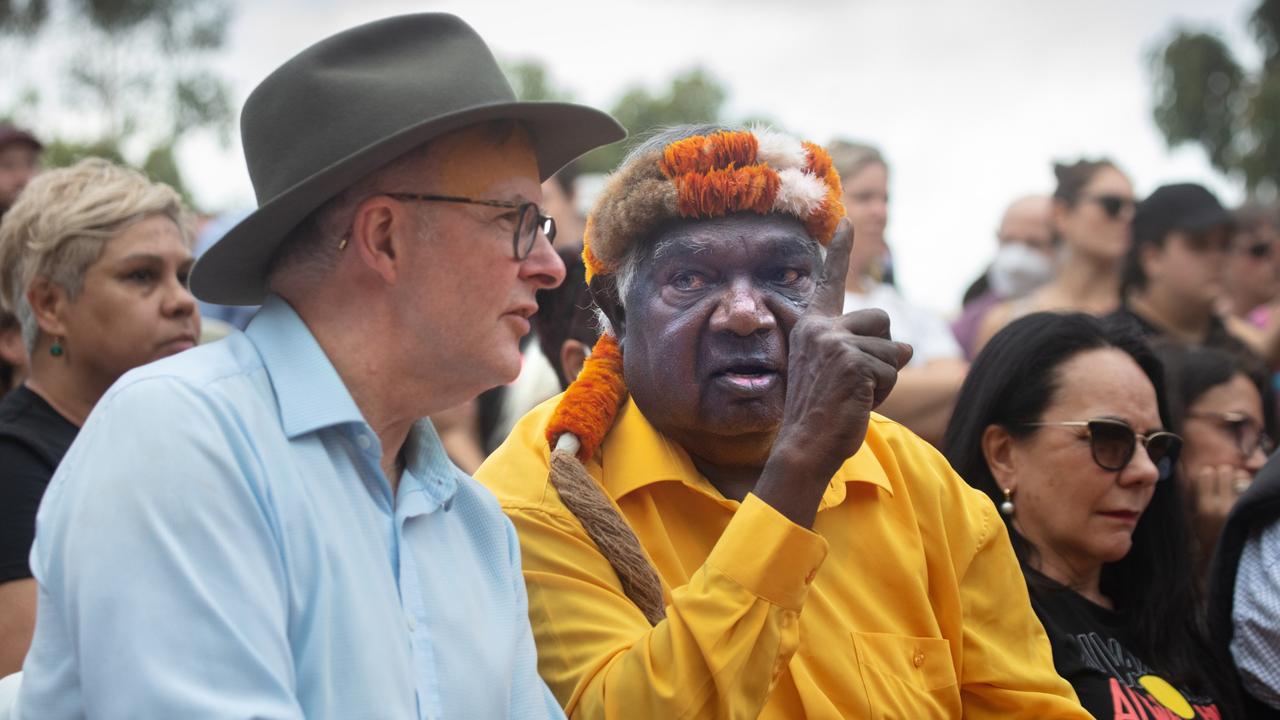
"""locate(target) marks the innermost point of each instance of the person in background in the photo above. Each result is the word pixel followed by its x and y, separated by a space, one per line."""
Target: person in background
pixel 94 261
pixel 267 526
pixel 1063 424
pixel 1244 584
pixel 925 391
pixel 713 521
pixel 13 353
pixel 566 323
pixel 1253 265
pixel 1024 261
pixel 19 162
pixel 1173 273
pixel 1093 207
pixel 1248 305
pixel 1215 403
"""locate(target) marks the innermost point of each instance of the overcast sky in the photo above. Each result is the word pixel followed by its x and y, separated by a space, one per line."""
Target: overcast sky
pixel 970 101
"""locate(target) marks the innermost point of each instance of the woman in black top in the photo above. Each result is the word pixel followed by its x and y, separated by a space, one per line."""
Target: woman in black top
pixel 93 262
pixel 1062 423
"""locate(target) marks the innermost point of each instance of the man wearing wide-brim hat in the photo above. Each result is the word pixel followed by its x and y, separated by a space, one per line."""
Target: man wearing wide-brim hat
pixel 266 526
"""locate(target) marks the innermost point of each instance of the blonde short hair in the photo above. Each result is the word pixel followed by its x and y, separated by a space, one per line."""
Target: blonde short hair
pixel 63 219
pixel 850 157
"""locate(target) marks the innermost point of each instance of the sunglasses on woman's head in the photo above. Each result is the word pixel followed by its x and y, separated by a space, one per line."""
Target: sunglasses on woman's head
pixel 1112 444
pixel 1113 205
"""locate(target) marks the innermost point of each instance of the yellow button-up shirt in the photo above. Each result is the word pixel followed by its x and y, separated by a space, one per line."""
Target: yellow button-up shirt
pixel 905 601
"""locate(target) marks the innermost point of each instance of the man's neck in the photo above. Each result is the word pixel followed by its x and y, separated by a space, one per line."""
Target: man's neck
pixel 357 349
pixel 1185 322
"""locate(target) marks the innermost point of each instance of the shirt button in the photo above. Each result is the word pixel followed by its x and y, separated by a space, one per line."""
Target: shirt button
pixel 411 623
pixel 808 579
pixel 918 660
pixel 786 619
pixel 363 441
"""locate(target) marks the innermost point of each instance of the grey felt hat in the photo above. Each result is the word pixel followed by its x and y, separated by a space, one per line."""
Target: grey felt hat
pixel 354 102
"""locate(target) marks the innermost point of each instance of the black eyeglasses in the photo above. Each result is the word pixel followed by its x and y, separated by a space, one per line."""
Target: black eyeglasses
pixel 1113 205
pixel 1246 431
pixel 529 218
pixel 1113 443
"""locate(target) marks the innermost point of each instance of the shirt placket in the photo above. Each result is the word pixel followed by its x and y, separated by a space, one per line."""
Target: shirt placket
pixel 417 630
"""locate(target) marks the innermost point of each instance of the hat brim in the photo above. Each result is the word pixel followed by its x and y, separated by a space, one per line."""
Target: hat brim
pixel 233 271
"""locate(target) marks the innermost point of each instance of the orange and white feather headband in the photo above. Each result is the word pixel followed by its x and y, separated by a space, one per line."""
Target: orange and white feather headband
pixel 703 176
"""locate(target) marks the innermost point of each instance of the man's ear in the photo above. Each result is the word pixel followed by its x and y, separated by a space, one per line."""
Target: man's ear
pixel 997 448
pixel 48 303
pixel 374 236
pixel 604 291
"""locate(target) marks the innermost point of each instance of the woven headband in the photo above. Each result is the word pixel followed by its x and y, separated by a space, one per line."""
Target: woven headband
pixel 709 176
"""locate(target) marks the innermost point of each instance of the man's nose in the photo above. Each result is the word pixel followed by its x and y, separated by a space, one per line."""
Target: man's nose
pixel 742 310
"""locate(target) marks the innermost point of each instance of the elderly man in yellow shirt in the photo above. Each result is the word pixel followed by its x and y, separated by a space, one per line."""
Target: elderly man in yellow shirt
pixel 712 520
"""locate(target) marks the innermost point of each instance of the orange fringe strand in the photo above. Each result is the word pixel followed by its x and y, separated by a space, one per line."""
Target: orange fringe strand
pixel 704 153
pixel 588 407
pixel 716 193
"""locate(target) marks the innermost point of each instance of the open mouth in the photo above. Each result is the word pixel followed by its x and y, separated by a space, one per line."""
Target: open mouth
pixel 747 378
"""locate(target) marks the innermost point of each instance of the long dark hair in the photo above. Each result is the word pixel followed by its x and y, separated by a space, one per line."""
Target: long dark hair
pixel 1011 383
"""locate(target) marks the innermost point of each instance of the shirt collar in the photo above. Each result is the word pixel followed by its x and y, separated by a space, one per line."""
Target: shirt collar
pixel 637 455
pixel 308 390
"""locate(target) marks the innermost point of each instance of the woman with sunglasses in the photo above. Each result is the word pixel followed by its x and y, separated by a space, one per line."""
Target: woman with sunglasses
pixel 1216 406
pixel 1062 424
pixel 1093 207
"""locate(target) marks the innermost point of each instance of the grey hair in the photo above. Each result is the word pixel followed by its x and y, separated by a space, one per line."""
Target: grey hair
pixel 62 221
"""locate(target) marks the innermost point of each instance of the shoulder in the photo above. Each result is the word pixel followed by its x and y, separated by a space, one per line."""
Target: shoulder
pixel 516 472
pixel 921 476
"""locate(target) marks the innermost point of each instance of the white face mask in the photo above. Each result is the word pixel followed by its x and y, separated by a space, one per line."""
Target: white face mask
pixel 1017 270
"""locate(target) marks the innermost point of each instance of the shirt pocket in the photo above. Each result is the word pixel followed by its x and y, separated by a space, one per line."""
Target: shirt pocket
pixel 907 678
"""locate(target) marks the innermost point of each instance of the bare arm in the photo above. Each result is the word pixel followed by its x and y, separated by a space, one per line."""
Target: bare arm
pixel 17 622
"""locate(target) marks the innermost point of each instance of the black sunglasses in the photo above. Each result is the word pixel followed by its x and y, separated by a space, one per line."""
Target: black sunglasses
pixel 1113 205
pixel 1113 443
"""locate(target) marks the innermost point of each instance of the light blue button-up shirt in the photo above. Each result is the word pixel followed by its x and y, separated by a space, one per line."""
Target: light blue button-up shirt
pixel 220 542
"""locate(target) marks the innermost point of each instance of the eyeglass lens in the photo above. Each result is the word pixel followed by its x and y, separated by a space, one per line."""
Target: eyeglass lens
pixel 1113 446
pixel 1113 205
pixel 531 221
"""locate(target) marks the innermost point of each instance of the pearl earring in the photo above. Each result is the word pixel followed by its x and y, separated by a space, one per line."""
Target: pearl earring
pixel 1006 507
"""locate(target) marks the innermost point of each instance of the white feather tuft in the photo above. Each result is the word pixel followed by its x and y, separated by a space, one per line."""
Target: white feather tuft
pixel 779 151
pixel 799 193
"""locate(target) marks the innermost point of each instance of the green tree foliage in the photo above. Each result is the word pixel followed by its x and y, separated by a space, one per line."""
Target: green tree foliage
pixel 1203 95
pixel 137 78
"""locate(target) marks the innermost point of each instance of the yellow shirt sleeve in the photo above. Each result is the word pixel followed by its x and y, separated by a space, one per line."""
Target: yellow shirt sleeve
pixel 1008 662
pixel 728 634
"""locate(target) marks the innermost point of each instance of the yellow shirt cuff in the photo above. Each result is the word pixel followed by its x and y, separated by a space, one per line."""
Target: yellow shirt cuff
pixel 769 555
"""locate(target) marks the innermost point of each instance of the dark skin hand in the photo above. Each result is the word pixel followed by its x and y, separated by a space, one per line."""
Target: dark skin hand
pixel 840 368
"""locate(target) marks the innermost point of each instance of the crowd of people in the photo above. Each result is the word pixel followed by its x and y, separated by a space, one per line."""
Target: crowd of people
pixel 485 447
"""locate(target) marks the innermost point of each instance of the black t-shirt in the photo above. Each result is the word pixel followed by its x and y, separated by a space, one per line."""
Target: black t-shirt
pixel 1092 650
pixel 33 439
pixel 1217 336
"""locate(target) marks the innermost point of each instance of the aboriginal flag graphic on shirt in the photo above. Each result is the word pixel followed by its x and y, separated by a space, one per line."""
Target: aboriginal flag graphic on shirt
pixel 1092 651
